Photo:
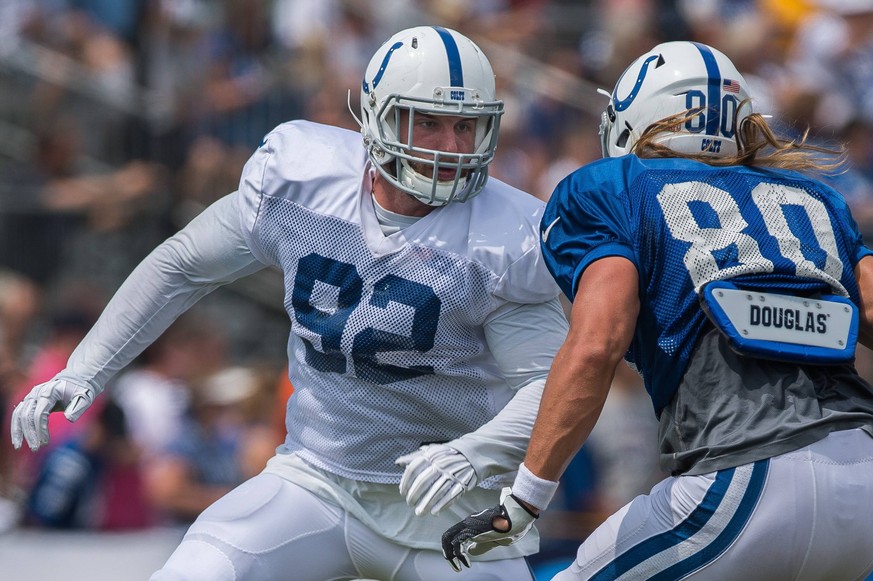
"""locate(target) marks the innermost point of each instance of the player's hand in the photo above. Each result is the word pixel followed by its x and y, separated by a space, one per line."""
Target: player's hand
pixel 30 417
pixel 477 534
pixel 435 475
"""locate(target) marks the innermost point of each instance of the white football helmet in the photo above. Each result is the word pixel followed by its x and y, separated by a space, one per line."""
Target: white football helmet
pixel 672 78
pixel 433 70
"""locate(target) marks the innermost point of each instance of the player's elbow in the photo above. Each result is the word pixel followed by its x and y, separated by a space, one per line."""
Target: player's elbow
pixel 602 356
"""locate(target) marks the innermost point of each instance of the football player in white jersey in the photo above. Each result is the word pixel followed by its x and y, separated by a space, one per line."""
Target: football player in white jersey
pixel 423 323
pixel 738 286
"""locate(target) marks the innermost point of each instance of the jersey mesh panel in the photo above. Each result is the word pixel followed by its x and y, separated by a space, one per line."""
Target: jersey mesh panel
pixel 742 261
pixel 388 351
pixel 738 235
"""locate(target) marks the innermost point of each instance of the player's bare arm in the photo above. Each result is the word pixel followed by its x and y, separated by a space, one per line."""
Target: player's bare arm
pixel 602 323
pixel 864 275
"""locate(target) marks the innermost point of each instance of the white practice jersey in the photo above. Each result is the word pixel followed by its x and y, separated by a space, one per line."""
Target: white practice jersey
pixel 387 346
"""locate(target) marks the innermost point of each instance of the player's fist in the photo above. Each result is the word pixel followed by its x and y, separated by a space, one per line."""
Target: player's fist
pixel 30 417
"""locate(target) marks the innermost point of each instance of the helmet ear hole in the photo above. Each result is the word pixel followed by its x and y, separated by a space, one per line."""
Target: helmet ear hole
pixel 622 138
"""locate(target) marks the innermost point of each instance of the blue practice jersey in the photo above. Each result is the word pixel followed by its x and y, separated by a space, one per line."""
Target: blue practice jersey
pixel 684 224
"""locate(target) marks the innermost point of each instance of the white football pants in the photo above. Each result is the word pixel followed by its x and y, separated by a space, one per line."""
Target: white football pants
pixel 803 516
pixel 273 530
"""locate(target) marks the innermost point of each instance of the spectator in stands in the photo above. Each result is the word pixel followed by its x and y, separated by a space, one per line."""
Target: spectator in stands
pixel 156 392
pixel 92 480
pixel 220 447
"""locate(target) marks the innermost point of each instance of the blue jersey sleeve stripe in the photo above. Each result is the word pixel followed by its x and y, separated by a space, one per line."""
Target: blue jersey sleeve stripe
pixel 456 71
pixel 713 97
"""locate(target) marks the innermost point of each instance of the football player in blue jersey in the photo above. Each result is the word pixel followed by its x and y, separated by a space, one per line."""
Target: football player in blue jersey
pixel 702 251
pixel 423 324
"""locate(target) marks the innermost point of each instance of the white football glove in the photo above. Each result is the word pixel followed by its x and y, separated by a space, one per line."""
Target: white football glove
pixel 435 475
pixel 30 417
pixel 476 534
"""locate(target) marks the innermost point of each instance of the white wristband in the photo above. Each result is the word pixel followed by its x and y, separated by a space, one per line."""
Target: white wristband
pixel 532 489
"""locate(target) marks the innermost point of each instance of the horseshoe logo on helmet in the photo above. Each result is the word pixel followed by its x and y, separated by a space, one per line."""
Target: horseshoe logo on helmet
pixel 625 103
pixel 382 67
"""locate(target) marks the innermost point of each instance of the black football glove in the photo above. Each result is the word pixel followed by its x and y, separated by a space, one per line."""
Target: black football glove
pixel 476 534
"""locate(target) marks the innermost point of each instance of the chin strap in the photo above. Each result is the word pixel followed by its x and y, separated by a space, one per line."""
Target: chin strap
pixel 438 194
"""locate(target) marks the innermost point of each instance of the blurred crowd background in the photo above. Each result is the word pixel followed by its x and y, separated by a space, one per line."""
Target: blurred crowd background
pixel 122 119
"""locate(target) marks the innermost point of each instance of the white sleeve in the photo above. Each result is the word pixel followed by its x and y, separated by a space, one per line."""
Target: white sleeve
pixel 207 253
pixel 524 341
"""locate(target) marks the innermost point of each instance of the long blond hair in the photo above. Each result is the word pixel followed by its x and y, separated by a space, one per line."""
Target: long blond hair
pixel 757 145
